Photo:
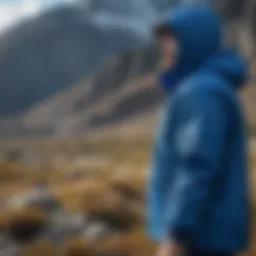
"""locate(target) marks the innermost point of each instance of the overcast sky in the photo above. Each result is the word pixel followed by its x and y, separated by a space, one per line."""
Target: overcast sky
pixel 12 10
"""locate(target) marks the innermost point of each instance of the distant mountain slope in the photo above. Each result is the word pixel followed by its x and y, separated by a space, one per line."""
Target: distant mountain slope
pixel 52 52
pixel 122 98
pixel 124 88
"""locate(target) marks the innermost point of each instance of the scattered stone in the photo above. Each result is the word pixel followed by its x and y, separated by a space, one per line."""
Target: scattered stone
pixel 121 217
pixel 64 226
pixel 98 231
pixel 6 242
pixel 40 198
pixel 11 251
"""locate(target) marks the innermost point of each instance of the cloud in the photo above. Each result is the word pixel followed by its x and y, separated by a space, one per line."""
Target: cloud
pixel 9 13
pixel 31 7
pixel 13 10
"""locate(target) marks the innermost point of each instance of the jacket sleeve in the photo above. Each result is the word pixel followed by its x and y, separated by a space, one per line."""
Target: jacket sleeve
pixel 200 141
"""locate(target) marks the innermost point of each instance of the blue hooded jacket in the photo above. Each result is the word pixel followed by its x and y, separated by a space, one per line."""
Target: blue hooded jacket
pixel 198 190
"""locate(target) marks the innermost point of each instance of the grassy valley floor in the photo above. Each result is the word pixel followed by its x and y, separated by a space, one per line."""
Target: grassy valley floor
pixel 103 179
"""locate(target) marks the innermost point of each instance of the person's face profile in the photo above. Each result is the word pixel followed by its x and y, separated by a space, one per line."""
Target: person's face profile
pixel 169 50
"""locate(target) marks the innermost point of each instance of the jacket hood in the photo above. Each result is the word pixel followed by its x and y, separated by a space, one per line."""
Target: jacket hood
pixel 229 65
pixel 198 30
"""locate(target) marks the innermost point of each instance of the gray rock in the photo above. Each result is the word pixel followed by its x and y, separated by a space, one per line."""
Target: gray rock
pixel 98 230
pixel 9 247
pixel 41 197
pixel 11 251
pixel 64 226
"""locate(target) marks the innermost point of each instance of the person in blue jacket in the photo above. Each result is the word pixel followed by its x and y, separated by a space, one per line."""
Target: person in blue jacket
pixel 198 189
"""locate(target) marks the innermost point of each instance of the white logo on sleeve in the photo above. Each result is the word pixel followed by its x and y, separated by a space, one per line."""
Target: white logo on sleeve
pixel 188 136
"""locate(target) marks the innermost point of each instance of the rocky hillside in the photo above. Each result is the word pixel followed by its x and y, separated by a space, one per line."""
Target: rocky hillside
pixel 52 52
pixel 124 88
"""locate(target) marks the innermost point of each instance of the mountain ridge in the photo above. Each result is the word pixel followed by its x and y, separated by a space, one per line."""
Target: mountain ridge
pixel 115 89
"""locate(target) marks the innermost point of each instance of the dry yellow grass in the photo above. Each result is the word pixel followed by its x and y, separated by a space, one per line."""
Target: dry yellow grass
pixel 116 194
pixel 42 248
pixel 77 247
pixel 134 243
